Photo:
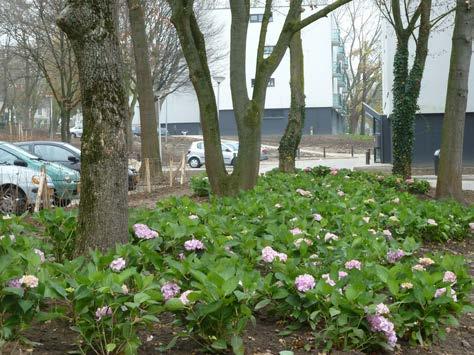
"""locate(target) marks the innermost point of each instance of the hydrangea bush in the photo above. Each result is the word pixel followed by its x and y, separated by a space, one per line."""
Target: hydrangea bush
pixel 347 265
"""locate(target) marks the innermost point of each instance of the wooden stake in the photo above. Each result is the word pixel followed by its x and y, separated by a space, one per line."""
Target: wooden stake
pixel 171 172
pixel 147 175
pixel 183 167
pixel 40 192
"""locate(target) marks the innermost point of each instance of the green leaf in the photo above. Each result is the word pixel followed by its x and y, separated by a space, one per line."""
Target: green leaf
pixel 110 347
pixel 25 305
pixel 334 311
pixel 237 345
pixel 262 304
pixel 141 297
pixel 286 352
pixel 219 344
pixel 382 273
pixel 174 304
pixel 14 291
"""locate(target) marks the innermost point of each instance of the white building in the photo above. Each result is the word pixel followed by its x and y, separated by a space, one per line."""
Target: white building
pixel 432 99
pixel 324 84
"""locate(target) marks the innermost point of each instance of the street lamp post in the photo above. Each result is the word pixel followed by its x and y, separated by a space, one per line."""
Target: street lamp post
pixel 219 80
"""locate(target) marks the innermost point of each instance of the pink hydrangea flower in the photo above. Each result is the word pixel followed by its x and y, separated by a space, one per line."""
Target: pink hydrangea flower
pixel 184 297
pixel 125 289
pixel 410 181
pixel 431 222
pixel 342 274
pixel 396 200
pixel 418 267
pixel 142 231
pixel 169 290
pixel 382 309
pixel 440 292
pixel 426 261
pixel 317 217
pixel 29 281
pixel 40 254
pixel 471 226
pixel 406 285
pixel 193 217
pixel 304 283
pixel 340 193
pixel 269 255
pixel 353 264
pixel 181 256
pixel 366 219
pixel 118 264
pixel 330 236
pixel 381 324
pixel 102 312
pixel 334 171
pixel 450 277
pixel 296 231
pixel 394 256
pixel 302 240
pixel 15 283
pixel 304 193
pixel 193 244
pixel 387 233
pixel 328 280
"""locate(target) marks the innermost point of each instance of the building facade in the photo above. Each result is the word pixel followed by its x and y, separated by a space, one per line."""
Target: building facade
pixel 324 83
pixel 432 99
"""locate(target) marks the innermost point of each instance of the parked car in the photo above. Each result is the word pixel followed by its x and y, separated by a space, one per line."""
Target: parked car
pixel 65 180
pixel 137 131
pixel 196 157
pixel 18 187
pixel 76 131
pixel 67 155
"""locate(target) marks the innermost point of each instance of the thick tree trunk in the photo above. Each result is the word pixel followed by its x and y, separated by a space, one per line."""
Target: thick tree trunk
pixel 148 119
pixel 406 90
pixel 291 138
pixel 449 184
pixel 103 210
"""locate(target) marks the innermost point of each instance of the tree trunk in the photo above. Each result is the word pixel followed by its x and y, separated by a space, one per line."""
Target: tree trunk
pixel 194 50
pixel 449 184
pixel 148 119
pixel 291 138
pixel 406 90
pixel 65 118
pixel 103 210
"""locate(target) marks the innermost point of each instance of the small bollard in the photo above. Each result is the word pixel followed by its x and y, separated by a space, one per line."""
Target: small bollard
pixel 352 151
pixel 367 157
pixel 324 152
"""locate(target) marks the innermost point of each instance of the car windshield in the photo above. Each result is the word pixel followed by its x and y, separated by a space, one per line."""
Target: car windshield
pixel 73 148
pixel 17 150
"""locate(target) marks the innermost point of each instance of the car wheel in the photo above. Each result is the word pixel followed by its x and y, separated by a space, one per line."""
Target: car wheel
pixel 74 135
pixel 61 202
pixel 194 162
pixel 12 200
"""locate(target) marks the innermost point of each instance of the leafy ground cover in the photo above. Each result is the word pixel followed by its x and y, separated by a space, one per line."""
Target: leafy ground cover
pixel 335 257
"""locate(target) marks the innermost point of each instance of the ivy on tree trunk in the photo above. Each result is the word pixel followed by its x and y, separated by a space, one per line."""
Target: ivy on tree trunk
pixel 449 184
pixel 407 82
pixel 103 210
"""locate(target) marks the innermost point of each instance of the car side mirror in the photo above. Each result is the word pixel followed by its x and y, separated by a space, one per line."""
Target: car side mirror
pixel 19 162
pixel 72 159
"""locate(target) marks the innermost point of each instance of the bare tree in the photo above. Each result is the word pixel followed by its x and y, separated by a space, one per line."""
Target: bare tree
pixel 103 212
pixel 31 24
pixel 248 111
pixel 449 182
pixel 360 28
pixel 148 118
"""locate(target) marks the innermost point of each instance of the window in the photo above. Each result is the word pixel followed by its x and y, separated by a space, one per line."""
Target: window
pixel 6 158
pixel 267 50
pixel 52 152
pixel 199 146
pixel 271 83
pixel 259 18
pixel 275 114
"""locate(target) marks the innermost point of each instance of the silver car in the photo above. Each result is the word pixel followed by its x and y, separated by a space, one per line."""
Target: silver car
pixel 18 188
pixel 195 156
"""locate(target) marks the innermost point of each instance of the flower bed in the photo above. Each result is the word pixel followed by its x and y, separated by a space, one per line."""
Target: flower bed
pixel 336 251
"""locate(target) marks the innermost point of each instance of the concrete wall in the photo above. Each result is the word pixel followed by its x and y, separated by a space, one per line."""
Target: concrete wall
pixel 428 139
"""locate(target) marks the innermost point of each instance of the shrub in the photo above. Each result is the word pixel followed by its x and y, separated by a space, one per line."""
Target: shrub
pixel 200 185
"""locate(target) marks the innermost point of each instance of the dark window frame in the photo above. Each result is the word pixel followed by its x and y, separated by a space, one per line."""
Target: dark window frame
pixel 271 83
